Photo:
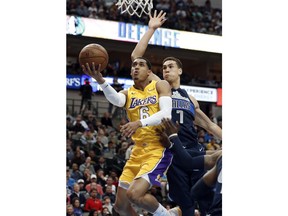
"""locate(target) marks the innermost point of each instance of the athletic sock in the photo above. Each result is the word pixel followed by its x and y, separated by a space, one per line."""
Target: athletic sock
pixel 161 211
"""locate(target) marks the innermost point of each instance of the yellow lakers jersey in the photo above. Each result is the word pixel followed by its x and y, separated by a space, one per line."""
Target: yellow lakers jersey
pixel 142 104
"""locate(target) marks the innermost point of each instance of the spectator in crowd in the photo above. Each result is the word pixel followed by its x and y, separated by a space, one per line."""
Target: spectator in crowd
pixel 77 128
pixel 76 174
pixel 102 165
pixel 82 9
pixel 93 15
pixel 76 205
pixel 87 176
pixel 68 123
pixel 101 179
pixel 93 184
pixel 109 182
pixel 93 203
pixel 69 152
pixel 70 210
pixel 88 3
pixel 98 147
pixel 87 165
pixel 94 213
pixel 88 140
pixel 106 120
pixel 69 181
pixel 113 136
pixel 92 130
pixel 93 7
pixel 107 204
pixel 110 151
pixel 110 194
pixel 123 149
pixel 78 158
pixel 68 192
pixel 82 121
pixel 81 186
pixel 86 90
pixel 93 157
pixel 102 137
pixel 80 196
pixel 115 178
pixel 91 120
pixel 163 5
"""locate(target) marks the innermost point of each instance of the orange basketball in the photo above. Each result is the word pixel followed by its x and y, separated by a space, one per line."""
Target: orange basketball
pixel 94 53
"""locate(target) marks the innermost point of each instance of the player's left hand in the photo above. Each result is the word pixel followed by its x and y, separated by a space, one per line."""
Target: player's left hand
pixel 130 128
pixel 169 126
pixel 164 140
pixel 156 20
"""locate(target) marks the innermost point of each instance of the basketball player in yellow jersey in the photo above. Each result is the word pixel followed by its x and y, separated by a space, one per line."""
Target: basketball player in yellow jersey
pixel 146 103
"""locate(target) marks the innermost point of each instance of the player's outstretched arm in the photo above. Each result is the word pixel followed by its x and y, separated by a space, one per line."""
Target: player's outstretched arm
pixel 114 97
pixel 169 139
pixel 203 121
pixel 155 22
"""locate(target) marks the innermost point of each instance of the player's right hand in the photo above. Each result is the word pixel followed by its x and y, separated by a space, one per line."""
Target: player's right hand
pixel 157 20
pixel 93 72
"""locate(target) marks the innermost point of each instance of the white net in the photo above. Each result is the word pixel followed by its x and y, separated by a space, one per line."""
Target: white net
pixel 137 7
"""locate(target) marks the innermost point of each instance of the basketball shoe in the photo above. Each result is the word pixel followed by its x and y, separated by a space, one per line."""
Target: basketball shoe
pixel 176 211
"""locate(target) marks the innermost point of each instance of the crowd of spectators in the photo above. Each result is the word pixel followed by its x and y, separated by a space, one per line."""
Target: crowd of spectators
pixel 182 14
pixel 96 153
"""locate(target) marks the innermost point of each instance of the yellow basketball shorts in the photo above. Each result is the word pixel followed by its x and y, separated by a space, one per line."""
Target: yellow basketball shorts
pixel 146 160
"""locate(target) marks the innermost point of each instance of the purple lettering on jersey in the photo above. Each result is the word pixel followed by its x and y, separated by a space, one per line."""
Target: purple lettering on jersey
pixel 141 102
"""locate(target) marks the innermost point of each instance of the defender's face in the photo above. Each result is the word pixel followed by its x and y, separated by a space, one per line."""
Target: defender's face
pixel 171 72
pixel 139 70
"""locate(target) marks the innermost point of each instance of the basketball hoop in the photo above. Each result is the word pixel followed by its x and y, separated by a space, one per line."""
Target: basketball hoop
pixel 136 7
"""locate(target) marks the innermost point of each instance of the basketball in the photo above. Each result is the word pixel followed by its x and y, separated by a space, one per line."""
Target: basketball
pixel 94 53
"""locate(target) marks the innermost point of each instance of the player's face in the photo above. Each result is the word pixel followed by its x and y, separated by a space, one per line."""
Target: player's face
pixel 171 72
pixel 139 70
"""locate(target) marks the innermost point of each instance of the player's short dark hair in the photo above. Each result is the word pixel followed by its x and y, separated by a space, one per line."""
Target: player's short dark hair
pixel 147 62
pixel 178 62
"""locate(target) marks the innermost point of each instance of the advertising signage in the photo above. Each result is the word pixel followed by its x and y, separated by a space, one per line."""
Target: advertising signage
pixel 130 32
pixel 200 93
pixel 219 97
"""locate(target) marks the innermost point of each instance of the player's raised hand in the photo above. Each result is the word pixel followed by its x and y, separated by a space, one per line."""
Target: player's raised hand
pixel 156 20
pixel 93 72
